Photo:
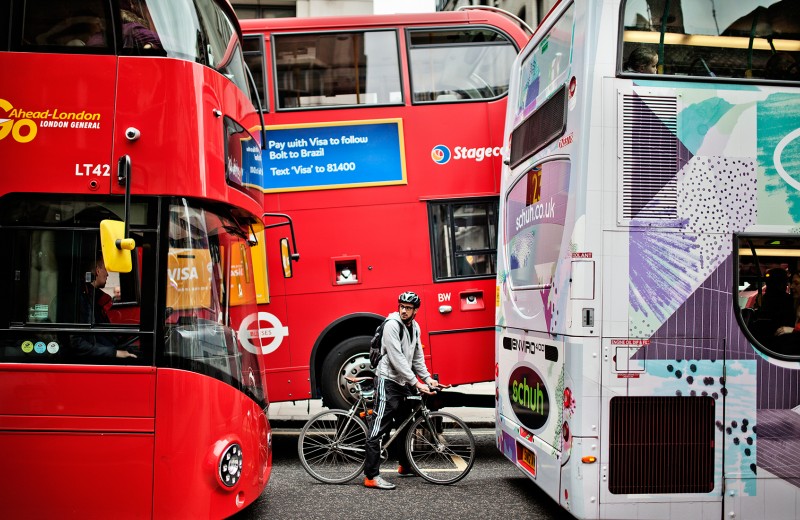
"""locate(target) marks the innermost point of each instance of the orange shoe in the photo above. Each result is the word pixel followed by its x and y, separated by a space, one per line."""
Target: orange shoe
pixel 405 472
pixel 378 483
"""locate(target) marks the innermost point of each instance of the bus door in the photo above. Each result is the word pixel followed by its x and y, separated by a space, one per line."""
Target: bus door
pixel 459 310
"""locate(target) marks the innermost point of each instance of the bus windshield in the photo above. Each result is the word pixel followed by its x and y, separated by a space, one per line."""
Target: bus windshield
pixel 210 289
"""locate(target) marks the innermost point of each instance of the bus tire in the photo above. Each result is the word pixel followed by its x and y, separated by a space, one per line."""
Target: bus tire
pixel 348 358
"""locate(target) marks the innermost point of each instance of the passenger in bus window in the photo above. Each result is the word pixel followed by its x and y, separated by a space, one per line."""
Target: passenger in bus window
pixel 782 65
pixel 136 27
pixel 643 60
pixel 776 308
pixel 794 290
pixel 93 309
pixel 78 31
pixel 397 375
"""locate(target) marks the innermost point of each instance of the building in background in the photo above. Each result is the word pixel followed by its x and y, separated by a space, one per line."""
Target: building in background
pixel 308 8
pixel 531 11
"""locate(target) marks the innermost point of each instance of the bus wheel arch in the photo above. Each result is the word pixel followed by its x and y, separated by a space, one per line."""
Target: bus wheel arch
pixel 348 358
pixel 344 342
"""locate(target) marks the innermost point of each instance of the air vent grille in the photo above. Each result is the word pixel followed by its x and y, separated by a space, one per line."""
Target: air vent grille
pixel 661 445
pixel 649 157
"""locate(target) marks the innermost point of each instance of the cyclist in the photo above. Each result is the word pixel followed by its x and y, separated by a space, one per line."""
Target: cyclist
pixel 397 374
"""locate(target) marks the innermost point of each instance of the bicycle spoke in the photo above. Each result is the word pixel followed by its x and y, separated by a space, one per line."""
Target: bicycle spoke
pixel 331 446
pixel 445 454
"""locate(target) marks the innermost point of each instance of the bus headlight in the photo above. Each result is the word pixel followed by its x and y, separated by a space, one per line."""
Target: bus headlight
pixel 230 465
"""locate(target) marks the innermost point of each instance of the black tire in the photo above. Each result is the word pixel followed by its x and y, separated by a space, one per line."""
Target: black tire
pixel 332 446
pixel 441 448
pixel 348 358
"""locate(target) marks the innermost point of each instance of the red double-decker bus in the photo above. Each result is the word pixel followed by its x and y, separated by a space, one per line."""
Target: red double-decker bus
pixel 383 138
pixel 127 228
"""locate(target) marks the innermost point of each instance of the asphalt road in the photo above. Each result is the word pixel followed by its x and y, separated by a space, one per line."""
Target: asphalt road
pixel 494 489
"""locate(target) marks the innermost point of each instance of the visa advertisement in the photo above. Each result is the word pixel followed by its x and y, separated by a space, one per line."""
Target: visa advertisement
pixel 323 156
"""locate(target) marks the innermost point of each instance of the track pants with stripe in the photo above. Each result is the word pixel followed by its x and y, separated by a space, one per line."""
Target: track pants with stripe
pixel 391 408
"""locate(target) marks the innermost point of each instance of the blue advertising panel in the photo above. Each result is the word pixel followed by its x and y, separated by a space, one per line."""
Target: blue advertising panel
pixel 344 154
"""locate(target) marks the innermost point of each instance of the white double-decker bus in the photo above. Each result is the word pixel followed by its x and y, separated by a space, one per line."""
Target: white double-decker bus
pixel 647 349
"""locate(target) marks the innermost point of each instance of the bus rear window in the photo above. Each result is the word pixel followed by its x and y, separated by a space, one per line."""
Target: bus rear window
pixel 342 69
pixel 537 207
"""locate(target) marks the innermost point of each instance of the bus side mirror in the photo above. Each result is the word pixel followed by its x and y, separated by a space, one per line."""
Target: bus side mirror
pixel 116 248
pixel 286 258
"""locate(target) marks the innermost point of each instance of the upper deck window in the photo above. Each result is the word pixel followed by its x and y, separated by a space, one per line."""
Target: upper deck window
pixel 459 64
pixel 253 47
pixel 67 27
pixel 341 69
pixel 195 30
pixel 758 39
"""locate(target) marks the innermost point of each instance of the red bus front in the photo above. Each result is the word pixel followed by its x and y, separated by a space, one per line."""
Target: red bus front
pixel 128 394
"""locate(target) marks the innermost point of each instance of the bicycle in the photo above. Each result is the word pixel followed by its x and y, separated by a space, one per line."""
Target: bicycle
pixel 439 445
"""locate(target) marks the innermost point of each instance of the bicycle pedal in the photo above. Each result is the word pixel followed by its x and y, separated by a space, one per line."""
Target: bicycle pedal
pixel 364 414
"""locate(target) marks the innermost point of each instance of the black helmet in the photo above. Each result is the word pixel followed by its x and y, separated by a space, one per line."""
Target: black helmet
pixel 409 297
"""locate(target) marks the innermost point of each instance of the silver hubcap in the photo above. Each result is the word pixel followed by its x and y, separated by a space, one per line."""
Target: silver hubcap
pixel 356 366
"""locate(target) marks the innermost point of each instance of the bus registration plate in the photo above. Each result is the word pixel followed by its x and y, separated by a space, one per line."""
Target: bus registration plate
pixel 528 460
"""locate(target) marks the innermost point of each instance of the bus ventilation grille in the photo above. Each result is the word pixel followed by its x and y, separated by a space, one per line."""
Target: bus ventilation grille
pixel 540 128
pixel 661 445
pixel 649 157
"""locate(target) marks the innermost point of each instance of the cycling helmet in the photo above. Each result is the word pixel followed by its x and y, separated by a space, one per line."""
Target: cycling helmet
pixel 409 297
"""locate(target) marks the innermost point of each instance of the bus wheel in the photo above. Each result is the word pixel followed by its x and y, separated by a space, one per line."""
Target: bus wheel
pixel 348 358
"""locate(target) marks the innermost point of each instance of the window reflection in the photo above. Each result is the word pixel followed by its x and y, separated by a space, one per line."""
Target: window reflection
pixel 210 292
pixel 725 39
pixel 317 70
pixel 464 237
pixel 453 65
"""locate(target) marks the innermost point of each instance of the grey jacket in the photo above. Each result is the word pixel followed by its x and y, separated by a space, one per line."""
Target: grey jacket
pixel 402 358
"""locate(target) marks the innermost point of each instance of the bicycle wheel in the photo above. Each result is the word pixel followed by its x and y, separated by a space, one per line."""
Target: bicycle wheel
pixel 441 449
pixel 332 446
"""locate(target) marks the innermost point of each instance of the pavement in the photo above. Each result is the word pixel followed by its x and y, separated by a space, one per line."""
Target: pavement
pixel 293 414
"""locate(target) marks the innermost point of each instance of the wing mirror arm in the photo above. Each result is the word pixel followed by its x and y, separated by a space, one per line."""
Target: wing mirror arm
pixel 295 256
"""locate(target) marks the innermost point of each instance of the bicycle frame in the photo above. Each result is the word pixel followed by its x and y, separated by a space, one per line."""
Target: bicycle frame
pixel 332 443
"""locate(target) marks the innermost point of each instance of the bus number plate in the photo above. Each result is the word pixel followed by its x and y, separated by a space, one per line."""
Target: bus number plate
pixel 528 460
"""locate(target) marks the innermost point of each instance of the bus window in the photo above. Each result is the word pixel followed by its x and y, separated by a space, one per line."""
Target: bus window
pixel 210 291
pixel 66 26
pixel 535 224
pixel 60 281
pixel 253 50
pixel 768 292
pixel 459 64
pixel 5 24
pixel 342 69
pixel 464 238
pixel 736 40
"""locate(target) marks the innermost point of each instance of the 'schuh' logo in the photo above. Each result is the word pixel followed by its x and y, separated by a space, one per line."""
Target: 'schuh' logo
pixel 440 154
pixel 21 130
pixel 529 399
